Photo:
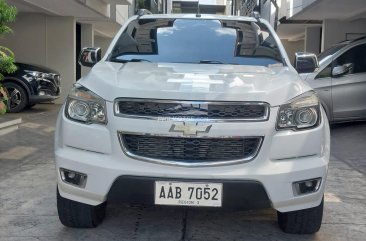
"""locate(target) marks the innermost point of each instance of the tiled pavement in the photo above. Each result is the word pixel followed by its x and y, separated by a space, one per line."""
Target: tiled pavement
pixel 28 196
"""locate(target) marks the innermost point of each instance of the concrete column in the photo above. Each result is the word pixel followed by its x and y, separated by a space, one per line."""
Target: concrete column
pixel 331 33
pixel 169 6
pixel 60 50
pixel 312 39
pixel 87 40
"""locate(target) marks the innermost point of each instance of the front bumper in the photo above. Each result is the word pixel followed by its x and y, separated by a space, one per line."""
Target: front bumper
pixel 140 190
pixel 34 99
pixel 285 157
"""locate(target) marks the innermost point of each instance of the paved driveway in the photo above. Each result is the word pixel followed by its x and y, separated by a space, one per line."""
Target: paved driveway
pixel 28 197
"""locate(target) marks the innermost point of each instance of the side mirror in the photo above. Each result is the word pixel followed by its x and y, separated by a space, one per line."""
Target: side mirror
pixel 305 62
pixel 90 56
pixel 339 70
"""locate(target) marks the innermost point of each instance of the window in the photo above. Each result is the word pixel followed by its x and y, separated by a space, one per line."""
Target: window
pixel 332 50
pixel 354 59
pixel 197 41
pixel 325 73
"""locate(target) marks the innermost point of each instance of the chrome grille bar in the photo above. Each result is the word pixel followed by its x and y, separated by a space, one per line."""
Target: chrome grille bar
pixel 190 151
pixel 176 109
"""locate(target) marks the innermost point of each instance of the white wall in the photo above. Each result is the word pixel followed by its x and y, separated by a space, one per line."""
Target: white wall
pixel 48 41
pixel 291 7
pixel 312 39
pixel 102 42
pixel 335 31
pixel 292 47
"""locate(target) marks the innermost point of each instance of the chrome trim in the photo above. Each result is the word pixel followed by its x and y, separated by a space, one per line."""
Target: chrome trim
pixel 183 164
pixel 182 118
pixel 296 189
pixel 54 85
pixel 185 129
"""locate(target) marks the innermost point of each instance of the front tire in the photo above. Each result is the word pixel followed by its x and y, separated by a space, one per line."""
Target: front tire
pixel 306 221
pixel 79 215
pixel 18 98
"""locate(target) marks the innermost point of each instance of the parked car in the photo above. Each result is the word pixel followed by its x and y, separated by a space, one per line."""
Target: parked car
pixel 193 110
pixel 31 85
pixel 340 81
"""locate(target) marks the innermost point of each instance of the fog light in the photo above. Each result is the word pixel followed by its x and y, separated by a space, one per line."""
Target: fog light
pixel 73 178
pixel 306 186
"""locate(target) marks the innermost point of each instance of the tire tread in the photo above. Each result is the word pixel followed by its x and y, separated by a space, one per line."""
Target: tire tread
pixel 306 221
pixel 79 215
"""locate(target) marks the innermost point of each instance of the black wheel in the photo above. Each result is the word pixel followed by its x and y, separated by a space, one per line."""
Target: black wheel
pixel 18 98
pixel 79 215
pixel 306 221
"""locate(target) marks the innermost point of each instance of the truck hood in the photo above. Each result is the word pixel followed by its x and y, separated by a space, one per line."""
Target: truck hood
pixel 203 82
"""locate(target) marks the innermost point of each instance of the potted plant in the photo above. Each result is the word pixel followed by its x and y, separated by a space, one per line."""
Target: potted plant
pixel 7 14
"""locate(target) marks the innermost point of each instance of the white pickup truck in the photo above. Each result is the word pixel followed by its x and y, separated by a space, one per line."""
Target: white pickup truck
pixel 193 110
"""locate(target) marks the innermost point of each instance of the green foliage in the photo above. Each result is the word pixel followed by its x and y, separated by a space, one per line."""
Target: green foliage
pixel 6 61
pixel 7 15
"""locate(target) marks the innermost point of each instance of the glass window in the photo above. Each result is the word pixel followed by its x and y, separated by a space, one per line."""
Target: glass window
pixel 197 41
pixel 332 50
pixel 354 59
pixel 326 72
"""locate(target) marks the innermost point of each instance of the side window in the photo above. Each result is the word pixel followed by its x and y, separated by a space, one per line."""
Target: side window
pixel 354 59
pixel 325 73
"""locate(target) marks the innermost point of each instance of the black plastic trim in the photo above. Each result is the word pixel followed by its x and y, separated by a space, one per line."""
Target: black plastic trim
pixel 237 194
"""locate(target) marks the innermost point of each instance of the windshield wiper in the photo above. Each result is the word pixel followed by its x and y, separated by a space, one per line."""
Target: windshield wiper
pixel 210 62
pixel 130 60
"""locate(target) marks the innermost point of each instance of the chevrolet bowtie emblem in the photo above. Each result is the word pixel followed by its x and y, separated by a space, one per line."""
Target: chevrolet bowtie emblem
pixel 190 128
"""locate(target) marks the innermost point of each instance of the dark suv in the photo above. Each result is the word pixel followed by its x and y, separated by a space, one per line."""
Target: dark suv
pixel 30 85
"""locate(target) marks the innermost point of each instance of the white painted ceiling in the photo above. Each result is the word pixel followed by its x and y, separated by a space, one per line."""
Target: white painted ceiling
pixel 347 10
pixel 333 9
pixel 103 25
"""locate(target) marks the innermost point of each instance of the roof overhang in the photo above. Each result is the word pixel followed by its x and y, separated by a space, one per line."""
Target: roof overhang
pixel 347 10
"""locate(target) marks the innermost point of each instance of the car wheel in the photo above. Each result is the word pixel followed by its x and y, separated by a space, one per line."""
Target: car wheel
pixel 18 98
pixel 79 215
pixel 306 221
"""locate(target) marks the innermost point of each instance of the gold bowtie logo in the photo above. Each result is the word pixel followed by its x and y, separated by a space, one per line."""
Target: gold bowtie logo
pixel 190 128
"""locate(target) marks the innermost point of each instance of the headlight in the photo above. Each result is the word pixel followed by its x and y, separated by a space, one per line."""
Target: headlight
pixel 39 75
pixel 299 113
pixel 85 106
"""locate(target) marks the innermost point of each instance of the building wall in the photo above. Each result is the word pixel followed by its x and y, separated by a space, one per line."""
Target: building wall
pixel 48 41
pixel 335 31
pixel 291 7
pixel 313 39
pixel 292 47
pixel 102 42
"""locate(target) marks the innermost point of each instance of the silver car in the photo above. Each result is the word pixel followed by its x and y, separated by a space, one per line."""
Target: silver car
pixel 340 81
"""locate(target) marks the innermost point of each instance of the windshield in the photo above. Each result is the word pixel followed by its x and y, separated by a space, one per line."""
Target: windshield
pixel 332 50
pixel 197 41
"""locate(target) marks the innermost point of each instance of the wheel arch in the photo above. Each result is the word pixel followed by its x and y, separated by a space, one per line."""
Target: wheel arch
pixel 327 111
pixel 19 82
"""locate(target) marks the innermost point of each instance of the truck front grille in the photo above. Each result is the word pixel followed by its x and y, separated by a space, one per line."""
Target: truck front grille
pixel 187 150
pixel 251 111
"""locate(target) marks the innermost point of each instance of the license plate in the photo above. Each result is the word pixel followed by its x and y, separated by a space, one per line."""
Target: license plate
pixel 188 194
